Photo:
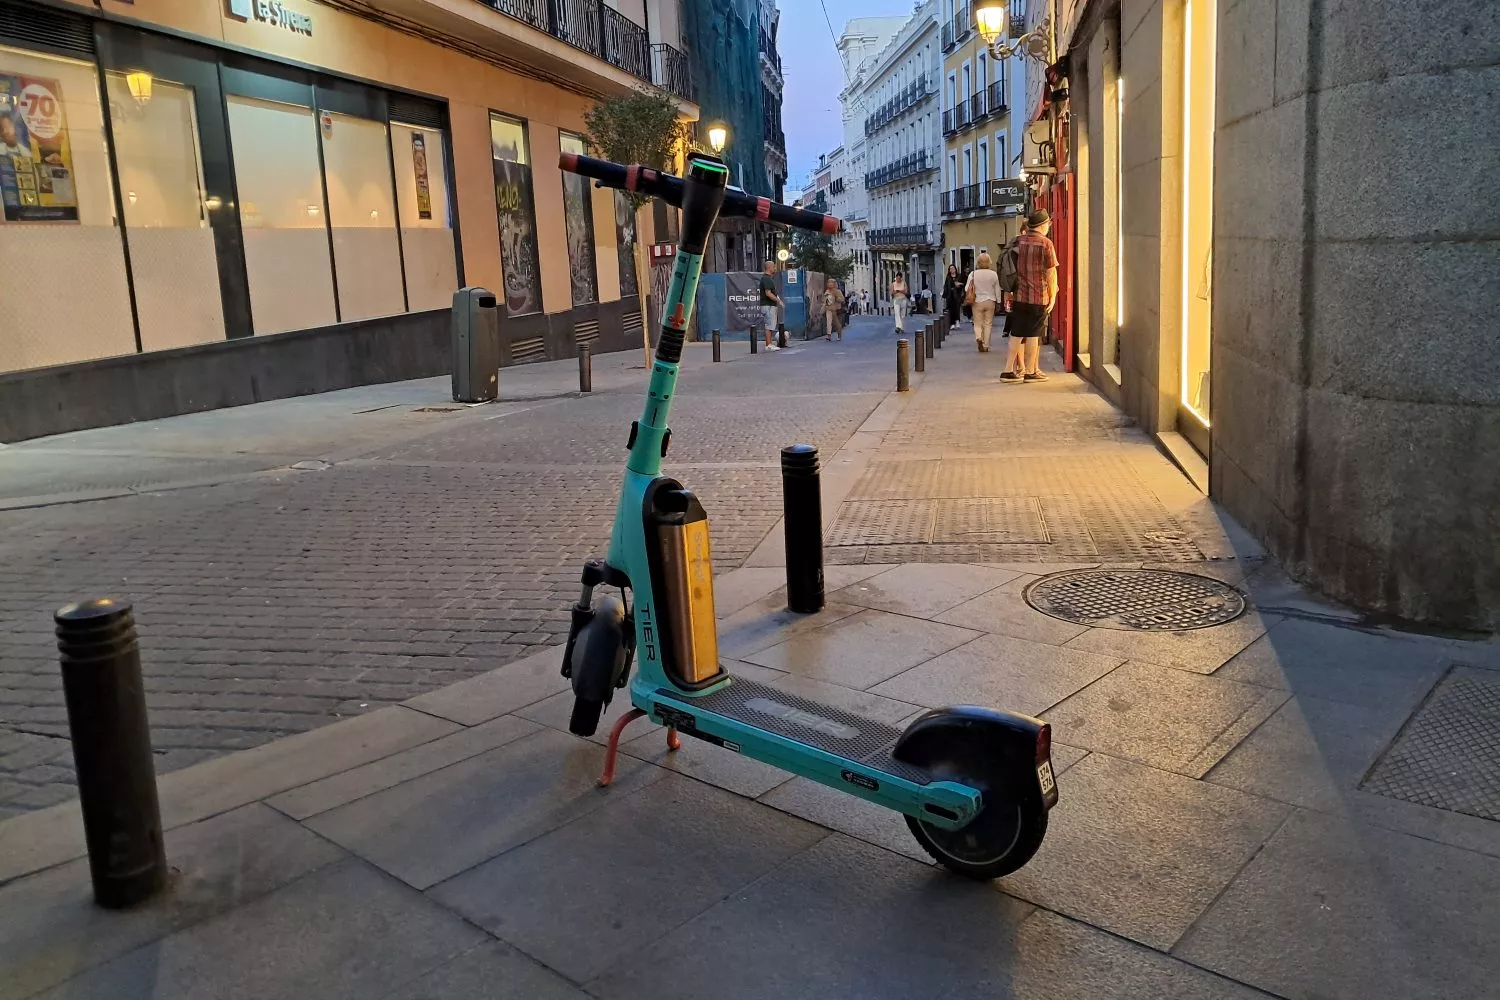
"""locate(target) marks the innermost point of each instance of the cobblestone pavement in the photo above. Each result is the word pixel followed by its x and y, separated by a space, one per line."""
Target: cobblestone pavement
pixel 441 541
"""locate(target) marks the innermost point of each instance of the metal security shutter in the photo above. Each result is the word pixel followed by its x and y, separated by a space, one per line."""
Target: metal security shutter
pixel 416 111
pixel 36 27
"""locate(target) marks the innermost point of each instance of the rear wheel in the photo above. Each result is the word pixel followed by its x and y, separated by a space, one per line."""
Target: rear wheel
pixel 998 841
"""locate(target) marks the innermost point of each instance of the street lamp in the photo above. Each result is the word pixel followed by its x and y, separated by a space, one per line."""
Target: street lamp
pixel 783 255
pixel 718 137
pixel 992 18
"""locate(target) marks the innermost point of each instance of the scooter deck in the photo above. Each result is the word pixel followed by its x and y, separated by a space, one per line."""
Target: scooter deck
pixel 760 706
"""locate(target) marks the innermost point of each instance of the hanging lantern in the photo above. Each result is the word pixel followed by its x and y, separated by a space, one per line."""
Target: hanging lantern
pixel 139 82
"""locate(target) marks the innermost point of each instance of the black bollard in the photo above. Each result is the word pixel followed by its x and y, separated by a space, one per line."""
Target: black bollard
pixel 921 346
pixel 585 370
pixel 781 340
pixel 932 335
pixel 101 674
pixel 754 342
pixel 903 352
pixel 942 335
pixel 802 518
pixel 716 346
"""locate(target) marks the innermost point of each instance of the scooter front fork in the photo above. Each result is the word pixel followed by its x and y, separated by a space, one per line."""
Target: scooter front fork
pixel 674 742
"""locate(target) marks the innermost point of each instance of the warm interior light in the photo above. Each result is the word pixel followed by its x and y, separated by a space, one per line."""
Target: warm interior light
pixel 718 138
pixel 139 83
pixel 1119 205
pixel 990 18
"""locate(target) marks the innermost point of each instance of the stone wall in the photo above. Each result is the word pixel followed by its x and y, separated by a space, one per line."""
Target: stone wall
pixel 1356 359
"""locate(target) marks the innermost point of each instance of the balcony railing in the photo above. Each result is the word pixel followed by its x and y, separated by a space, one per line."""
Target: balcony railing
pixel 909 165
pixel 956 30
pixel 910 96
pixel 768 52
pixel 976 108
pixel 995 98
pixel 670 72
pixel 916 237
pixel 605 33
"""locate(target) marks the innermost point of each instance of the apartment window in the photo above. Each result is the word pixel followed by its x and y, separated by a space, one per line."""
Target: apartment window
pixel 511 160
pixel 952 170
pixel 981 76
pixel 984 161
pixel 968 87
pixel 968 165
pixel 1002 163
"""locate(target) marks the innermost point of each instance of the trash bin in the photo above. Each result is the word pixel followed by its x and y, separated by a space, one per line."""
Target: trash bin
pixel 476 346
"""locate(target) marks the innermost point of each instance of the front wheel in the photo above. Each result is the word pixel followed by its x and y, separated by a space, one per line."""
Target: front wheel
pixel 998 841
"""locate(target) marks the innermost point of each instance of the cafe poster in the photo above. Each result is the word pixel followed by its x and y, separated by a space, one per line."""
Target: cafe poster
pixel 36 163
pixel 419 169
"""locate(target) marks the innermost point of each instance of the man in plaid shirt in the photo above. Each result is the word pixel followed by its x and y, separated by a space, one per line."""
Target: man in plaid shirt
pixel 1036 291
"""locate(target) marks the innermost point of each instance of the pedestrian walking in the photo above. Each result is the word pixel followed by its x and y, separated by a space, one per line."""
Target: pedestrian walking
pixel 983 294
pixel 1032 299
pixel 967 307
pixel 899 302
pixel 864 302
pixel 770 301
pixel 953 293
pixel 926 295
pixel 833 311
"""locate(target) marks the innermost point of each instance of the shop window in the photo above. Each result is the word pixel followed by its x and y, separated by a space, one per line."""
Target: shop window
pixel 63 292
pixel 282 215
pixel 426 225
pixel 1197 210
pixel 517 211
pixel 625 244
pixel 173 264
pixel 362 216
pixel 578 219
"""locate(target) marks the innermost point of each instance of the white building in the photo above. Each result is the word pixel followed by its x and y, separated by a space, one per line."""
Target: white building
pixel 863 40
pixel 891 100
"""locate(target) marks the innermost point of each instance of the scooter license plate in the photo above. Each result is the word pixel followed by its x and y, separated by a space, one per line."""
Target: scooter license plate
pixel 1045 779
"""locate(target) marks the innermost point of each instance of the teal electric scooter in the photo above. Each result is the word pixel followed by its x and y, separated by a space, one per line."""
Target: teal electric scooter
pixel 975 784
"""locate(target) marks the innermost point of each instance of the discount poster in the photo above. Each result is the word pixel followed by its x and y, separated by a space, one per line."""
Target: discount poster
pixel 36 163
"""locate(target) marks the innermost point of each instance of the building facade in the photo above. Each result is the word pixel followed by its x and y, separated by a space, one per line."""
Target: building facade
pixel 1302 324
pixel 984 113
pixel 736 74
pixel 210 202
pixel 898 91
pixel 862 41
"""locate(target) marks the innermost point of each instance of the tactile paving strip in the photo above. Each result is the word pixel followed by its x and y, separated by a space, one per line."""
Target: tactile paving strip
pixel 1142 600
pixel 989 519
pixel 1448 754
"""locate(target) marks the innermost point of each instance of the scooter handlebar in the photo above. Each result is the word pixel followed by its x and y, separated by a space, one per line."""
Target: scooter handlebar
pixel 669 187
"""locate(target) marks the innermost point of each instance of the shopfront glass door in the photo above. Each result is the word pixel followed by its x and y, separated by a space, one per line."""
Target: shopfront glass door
pixel 362 214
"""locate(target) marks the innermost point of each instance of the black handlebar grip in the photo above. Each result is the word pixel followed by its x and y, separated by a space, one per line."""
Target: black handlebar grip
pixel 669 188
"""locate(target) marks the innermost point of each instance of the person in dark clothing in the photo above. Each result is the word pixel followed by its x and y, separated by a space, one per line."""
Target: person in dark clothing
pixel 953 293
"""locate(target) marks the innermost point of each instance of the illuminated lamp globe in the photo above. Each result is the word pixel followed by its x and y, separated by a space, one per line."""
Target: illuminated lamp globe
pixel 783 255
pixel 990 17
pixel 718 137
pixel 139 83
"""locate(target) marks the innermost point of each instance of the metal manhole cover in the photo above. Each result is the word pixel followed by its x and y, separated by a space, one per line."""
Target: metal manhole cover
pixel 1448 754
pixel 1143 600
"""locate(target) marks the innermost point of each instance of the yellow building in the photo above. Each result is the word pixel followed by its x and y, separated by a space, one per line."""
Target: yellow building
pixel 983 115
pixel 262 199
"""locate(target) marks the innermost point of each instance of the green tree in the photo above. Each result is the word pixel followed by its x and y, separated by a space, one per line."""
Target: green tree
pixel 642 127
pixel 815 251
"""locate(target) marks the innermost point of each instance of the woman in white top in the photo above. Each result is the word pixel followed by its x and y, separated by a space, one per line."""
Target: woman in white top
pixel 983 290
pixel 899 302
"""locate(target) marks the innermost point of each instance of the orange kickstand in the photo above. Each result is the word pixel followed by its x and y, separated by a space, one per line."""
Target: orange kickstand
pixel 614 745
pixel 674 742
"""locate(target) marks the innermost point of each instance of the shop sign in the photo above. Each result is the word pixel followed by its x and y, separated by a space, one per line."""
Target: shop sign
pixel 899 258
pixel 1006 193
pixel 36 160
pixel 272 12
